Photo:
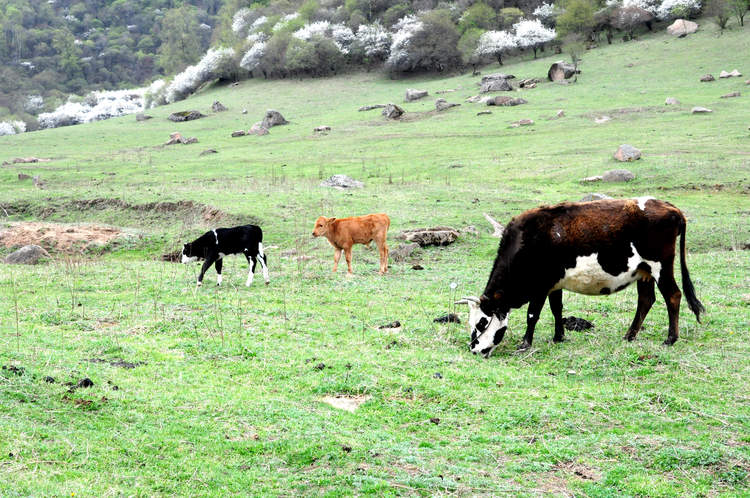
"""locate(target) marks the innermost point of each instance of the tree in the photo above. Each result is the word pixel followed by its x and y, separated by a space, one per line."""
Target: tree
pixel 574 46
pixel 495 44
pixel 468 44
pixel 436 46
pixel 180 37
pixel 509 16
pixel 739 9
pixel 720 11
pixel 577 18
pixel 531 33
pixel 480 15
pixel 547 13
pixel 629 18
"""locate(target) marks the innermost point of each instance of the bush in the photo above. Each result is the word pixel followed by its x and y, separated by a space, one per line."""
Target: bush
pixel 671 9
pixel 467 46
pixel 531 33
pixel 496 44
pixel 429 44
pixel 480 15
pixel 509 16
pixel 577 18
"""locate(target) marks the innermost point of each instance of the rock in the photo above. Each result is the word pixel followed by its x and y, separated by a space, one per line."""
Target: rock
pixel 142 117
pixel 417 267
pixel 185 116
pixel 730 95
pixel 747 82
pixel 474 99
pixel 412 94
pixel 591 179
pixel 218 107
pixel 28 160
pixel 602 119
pixel 528 83
pixel 471 230
pixel 522 122
pixel 707 77
pixel 449 318
pixel 395 324
pixel 27 255
pixel 560 114
pixel 483 113
pixel 594 197
pixel 208 151
pixel 23 176
pixel 441 92
pixel 273 118
pixel 576 324
pixel 37 181
pixel 496 76
pixel 504 100
pixel 561 70
pixel 177 138
pixel 735 73
pixel 700 110
pixel 258 129
pixel 403 251
pixel 323 129
pixel 371 107
pixel 498 85
pixel 627 153
pixel 437 236
pixel 618 175
pixel 724 74
pixel 244 111
pixel 239 133
pixel 85 383
pixel 682 27
pixel 671 101
pixel 392 111
pixel 442 104
pixel 341 182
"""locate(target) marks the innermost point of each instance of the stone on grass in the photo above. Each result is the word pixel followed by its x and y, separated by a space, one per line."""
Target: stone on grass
pixel 735 73
pixel 323 129
pixel 218 107
pixel 707 77
pixel 177 138
pixel 618 175
pixel 474 99
pixel 27 255
pixel 528 83
pixel 371 107
pixel 700 110
pixel 392 111
pixel 496 76
pixel 403 251
pixel 142 117
pixel 626 153
pixel 560 114
pixel 671 101
pixel 682 27
pixel 273 118
pixel 522 122
pixel 602 119
pixel 505 101
pixel 208 152
pixel 437 236
pixel 23 176
pixel 594 197
pixel 484 113
pixel 341 182
pixel 724 74
pixel 561 70
pixel 592 179
pixel 413 94
pixel 730 95
pixel 185 116
pixel 258 129
pixel 442 104
pixel 239 133
pixel 498 85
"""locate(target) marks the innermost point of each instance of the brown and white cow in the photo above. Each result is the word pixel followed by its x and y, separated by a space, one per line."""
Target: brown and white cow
pixel 594 248
pixel 343 233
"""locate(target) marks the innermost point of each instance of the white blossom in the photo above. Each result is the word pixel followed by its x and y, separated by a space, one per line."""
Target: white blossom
pixel 405 28
pixel 671 8
pixel 12 127
pixel 648 5
pixel 240 19
pixel 546 12
pixel 33 104
pixel 285 20
pixel 311 30
pixel 256 37
pixel 494 43
pixel 342 36
pixel 258 23
pixel 95 107
pixel 374 39
pixel 252 57
pixel 213 65
pixel 532 33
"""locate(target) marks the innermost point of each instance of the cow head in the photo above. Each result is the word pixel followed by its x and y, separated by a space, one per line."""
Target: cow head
pixel 187 254
pixel 321 226
pixel 487 330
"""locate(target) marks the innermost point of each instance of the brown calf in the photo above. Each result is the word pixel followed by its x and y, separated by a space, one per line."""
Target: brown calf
pixel 343 233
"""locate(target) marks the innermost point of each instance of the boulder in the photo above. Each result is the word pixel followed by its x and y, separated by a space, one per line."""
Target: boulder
pixel 707 77
pixel 700 110
pixel 627 153
pixel 618 175
pixel 522 122
pixel 528 83
pixel 273 118
pixel 561 70
pixel 323 129
pixel 29 160
pixel 27 255
pixel 341 182
pixel 142 117
pixel 218 107
pixel 496 76
pixel 730 95
pixel 682 27
pixel 412 94
pixel 239 133
pixel 258 129
pixel 592 179
pixel 371 107
pixel 177 138
pixel 403 251
pixel 594 197
pixel 22 176
pixel 499 85
pixel 504 100
pixel 735 73
pixel 185 116
pixel 437 236
pixel 724 74
pixel 442 104
pixel 392 111
pixel 671 101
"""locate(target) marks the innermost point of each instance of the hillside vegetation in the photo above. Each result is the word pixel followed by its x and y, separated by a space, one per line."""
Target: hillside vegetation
pixel 217 391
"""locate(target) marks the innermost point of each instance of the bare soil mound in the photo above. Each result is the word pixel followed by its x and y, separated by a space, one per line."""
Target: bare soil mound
pixel 65 238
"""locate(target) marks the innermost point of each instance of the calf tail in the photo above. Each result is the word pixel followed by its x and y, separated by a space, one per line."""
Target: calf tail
pixel 262 253
pixel 687 284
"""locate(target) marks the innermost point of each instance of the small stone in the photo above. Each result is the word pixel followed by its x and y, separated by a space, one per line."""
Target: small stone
pixel 341 182
pixel 435 420
pixel 258 129
pixel 700 110
pixel 142 117
pixel 392 111
pixel 244 111
pixel 322 129
pixel 560 114
pixel 730 95
pixel 218 107
pixel 602 119
pixel 403 251
pixel 442 104
pixel 319 366
pixel 239 133
pixel 417 267
pixel 618 175
pixel 412 94
pixel 594 197
pixel 484 113
pixel 671 101
pixel 735 73
pixel 49 380
pixel 371 107
pixel 707 78
pixel 345 448
pixel 208 151
pixel 590 179
pixel 627 153
pixel 85 383
pixel 23 176
pixel 437 375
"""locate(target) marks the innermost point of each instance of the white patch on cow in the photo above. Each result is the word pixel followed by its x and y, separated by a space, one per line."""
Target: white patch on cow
pixel 249 278
pixel 218 279
pixel 262 260
pixel 199 283
pixel 531 315
pixel 221 255
pixel 186 259
pixel 485 340
pixel 260 249
pixel 588 277
pixel 216 235
pixel 642 201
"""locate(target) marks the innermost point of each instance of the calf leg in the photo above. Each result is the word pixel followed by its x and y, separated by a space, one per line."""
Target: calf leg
pixel 646 299
pixel 252 262
pixel 218 265
pixel 336 258
pixel 532 315
pixel 672 295
pixel 383 257
pixel 262 258
pixel 348 256
pixel 555 304
pixel 206 265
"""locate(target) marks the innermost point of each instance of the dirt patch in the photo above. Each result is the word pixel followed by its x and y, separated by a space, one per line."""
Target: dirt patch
pixel 172 257
pixel 117 363
pixel 348 403
pixel 58 237
pixel 580 470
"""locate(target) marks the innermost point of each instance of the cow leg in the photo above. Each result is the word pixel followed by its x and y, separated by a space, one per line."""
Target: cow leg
pixel 646 298
pixel 262 259
pixel 252 262
pixel 348 256
pixel 532 315
pixel 336 258
pixel 206 265
pixel 672 295
pixel 383 257
pixel 555 304
pixel 218 265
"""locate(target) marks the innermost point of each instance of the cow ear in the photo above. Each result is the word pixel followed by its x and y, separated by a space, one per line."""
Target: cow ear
pixel 330 220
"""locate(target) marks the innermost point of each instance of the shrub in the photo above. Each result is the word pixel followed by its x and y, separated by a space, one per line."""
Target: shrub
pixel 216 63
pixel 531 33
pixel 495 44
pixel 720 12
pixel 577 18
pixel 670 9
pixel 12 127
pixel 509 16
pixel 547 13
pixel 431 45
pixel 373 41
pixel 480 15
pixel 468 44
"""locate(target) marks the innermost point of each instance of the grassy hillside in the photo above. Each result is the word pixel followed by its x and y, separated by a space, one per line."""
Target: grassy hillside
pixel 225 396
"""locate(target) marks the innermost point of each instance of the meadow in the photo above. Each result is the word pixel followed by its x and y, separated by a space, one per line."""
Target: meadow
pixel 219 390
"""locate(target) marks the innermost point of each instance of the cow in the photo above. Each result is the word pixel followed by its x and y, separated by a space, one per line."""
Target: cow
pixel 213 245
pixel 594 248
pixel 343 233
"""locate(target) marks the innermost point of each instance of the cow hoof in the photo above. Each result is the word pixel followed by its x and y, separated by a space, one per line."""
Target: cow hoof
pixel 669 342
pixel 629 337
pixel 524 346
pixel 268 283
pixel 199 284
pixel 558 339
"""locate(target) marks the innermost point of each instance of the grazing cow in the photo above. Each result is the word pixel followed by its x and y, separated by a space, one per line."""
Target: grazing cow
pixel 343 233
pixel 597 247
pixel 213 245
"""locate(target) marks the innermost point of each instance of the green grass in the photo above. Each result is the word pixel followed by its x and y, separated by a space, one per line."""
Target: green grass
pixel 227 396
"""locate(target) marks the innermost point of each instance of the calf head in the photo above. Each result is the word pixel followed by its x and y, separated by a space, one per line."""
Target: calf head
pixel 487 330
pixel 322 224
pixel 187 254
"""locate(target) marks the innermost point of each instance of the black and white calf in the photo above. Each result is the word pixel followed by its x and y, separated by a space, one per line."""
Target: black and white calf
pixel 594 248
pixel 213 245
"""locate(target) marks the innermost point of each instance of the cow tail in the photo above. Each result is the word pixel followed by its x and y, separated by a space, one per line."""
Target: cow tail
pixel 687 284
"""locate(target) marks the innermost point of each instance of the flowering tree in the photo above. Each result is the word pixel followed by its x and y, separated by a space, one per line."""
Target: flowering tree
pixel 374 41
pixel 215 64
pixel 495 44
pixel 405 29
pixel 12 127
pixel 532 33
pixel 341 34
pixel 95 107
pixel 547 13
pixel 252 57
pixel 678 8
